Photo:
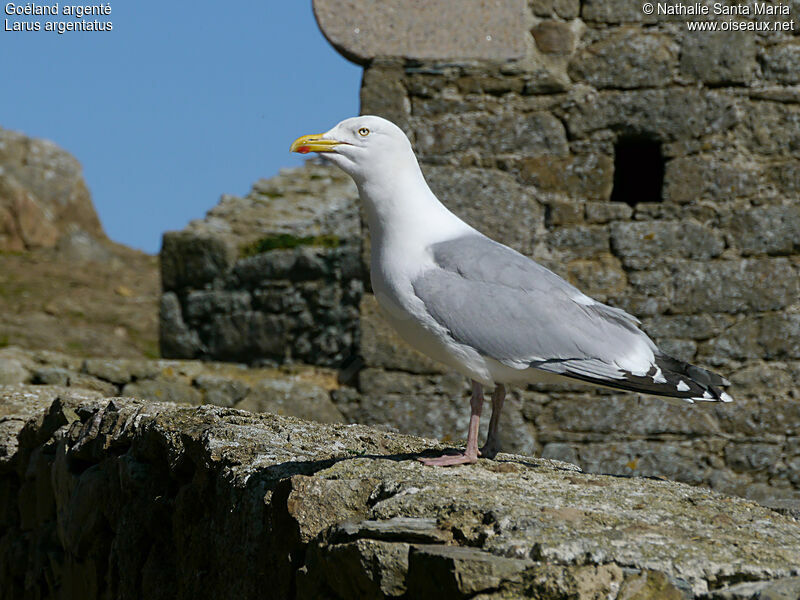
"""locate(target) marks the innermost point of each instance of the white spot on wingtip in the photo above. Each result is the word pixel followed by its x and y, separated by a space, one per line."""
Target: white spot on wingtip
pixel 682 387
pixel 725 397
pixel 707 396
pixel 659 376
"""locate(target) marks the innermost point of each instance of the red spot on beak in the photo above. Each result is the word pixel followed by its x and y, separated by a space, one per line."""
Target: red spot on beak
pixel 304 149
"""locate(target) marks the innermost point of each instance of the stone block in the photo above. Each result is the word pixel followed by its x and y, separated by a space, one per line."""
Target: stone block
pixel 627 59
pixel 785 176
pixel 472 29
pixel 383 92
pixel 582 241
pixel 491 201
pixel 561 212
pixel 119 371
pixel 684 350
pixel 504 133
pixel 203 304
pixel 598 278
pixel 772 128
pixel 246 336
pixel 640 244
pixel 164 389
pixel 623 415
pixel 693 327
pixel 735 286
pixel 644 458
pixel 566 9
pixel 554 37
pixel 191 260
pixel 709 177
pixel 381 381
pixel 785 587
pixel 719 57
pixel 12 371
pixel 291 398
pixel 175 339
pixel 766 230
pixel 661 114
pixel 453 572
pixel 780 62
pixel 605 212
pixel 774 336
pixel 745 456
pixel 580 176
pixel 221 391
pixel 615 11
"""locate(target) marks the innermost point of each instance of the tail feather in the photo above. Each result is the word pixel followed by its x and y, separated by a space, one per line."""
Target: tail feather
pixel 668 378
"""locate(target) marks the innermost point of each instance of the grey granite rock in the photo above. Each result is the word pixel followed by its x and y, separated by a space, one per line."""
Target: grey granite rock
pixel 344 511
pixel 433 30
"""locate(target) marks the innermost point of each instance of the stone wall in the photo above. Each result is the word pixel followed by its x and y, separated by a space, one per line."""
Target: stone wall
pixel 120 498
pixel 272 277
pixel 654 168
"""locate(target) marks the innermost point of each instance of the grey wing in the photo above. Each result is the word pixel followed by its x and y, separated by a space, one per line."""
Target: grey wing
pixel 516 311
pixel 478 258
pixel 527 327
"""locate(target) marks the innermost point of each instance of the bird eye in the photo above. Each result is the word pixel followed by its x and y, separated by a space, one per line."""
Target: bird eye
pixel 363 132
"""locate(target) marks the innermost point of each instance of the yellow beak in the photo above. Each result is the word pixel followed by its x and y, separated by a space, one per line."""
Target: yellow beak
pixel 313 143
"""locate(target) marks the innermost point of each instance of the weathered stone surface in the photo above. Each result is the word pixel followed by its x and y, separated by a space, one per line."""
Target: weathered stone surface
pixel 292 398
pixel 772 128
pixel 554 37
pixel 702 177
pixel 534 134
pixel 627 59
pixel 640 244
pixel 467 192
pixel 780 589
pixel 434 30
pixel 272 277
pixel 719 57
pixel 42 194
pixel 666 115
pixel 187 259
pixel 582 241
pixel 615 11
pixel 736 286
pixel 774 336
pixel 767 230
pixel 599 278
pixel 24 224
pixel 605 212
pixel 158 482
pixel 780 62
pixel 384 94
pixel 175 339
pixel 583 176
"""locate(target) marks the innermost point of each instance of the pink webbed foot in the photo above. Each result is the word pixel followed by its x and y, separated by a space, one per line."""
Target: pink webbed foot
pixel 449 460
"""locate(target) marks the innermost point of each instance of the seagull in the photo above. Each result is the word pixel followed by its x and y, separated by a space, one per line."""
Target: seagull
pixel 480 307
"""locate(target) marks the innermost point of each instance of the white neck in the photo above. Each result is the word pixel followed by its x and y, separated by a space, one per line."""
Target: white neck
pixel 402 210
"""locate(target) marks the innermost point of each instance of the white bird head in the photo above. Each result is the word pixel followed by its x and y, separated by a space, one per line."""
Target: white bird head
pixel 363 147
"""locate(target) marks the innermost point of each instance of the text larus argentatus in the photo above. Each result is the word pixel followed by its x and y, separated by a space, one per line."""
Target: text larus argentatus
pixel 480 307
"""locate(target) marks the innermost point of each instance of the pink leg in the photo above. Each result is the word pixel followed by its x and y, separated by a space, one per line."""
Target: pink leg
pixel 492 445
pixel 470 454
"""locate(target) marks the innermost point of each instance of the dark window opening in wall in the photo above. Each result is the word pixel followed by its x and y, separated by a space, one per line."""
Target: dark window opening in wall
pixel 638 171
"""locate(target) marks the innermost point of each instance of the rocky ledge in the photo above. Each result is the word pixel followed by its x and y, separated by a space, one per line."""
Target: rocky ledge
pixel 123 498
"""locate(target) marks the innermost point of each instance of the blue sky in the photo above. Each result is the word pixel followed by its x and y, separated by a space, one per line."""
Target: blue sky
pixel 179 103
